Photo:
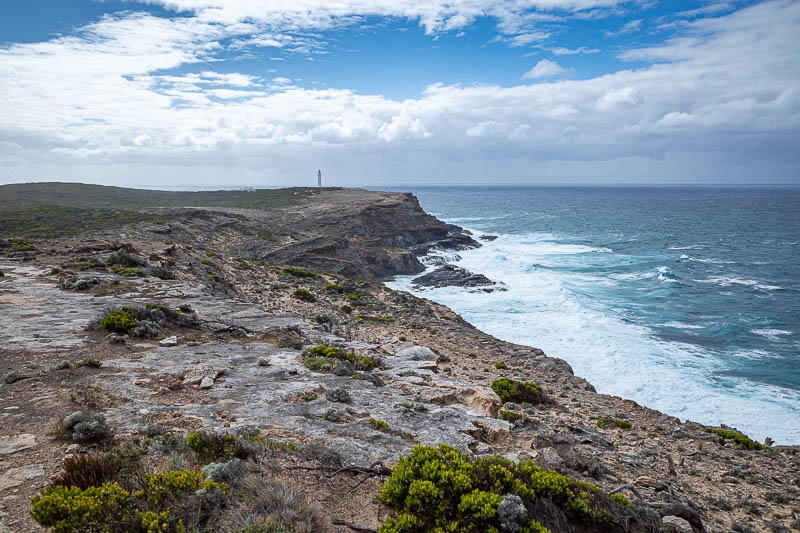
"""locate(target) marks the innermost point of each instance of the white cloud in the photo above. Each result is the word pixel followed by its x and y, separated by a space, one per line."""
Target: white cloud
pixel 725 96
pixel 544 69
pixel 561 51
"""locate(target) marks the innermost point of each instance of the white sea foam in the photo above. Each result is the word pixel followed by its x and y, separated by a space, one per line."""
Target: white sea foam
pixel 690 247
pixel 681 325
pixel 726 281
pixel 775 335
pixel 556 310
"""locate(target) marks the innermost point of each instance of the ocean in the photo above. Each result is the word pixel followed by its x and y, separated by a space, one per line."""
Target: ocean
pixel 684 299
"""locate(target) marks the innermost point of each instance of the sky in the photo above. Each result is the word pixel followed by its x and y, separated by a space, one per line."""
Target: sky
pixel 399 92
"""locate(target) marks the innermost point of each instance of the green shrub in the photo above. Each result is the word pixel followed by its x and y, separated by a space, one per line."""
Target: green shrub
pixel 213 447
pixel 118 321
pixel 740 438
pixel 370 318
pixel 500 365
pixel 306 296
pixel 162 272
pixel 325 358
pixel 91 363
pixel 622 424
pixel 380 425
pixel 332 287
pixel 123 258
pixel 129 272
pixel 441 489
pixel 296 272
pixel 346 309
pixel 71 509
pixel 510 390
pixel 86 471
pixel 24 248
pixel 205 261
pixel 511 416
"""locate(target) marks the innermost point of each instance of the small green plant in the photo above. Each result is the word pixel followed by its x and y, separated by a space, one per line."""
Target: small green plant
pixel 212 446
pixel 305 295
pixel 91 363
pixel 370 318
pixel 346 309
pixel 325 358
pixel 209 254
pixel 500 365
pixel 118 321
pixel 511 416
pixel 212 277
pixel 296 272
pixel 332 287
pixel 510 390
pixel 17 240
pixel 739 438
pixel 162 272
pixel 622 424
pixel 129 272
pixel 309 396
pixel 380 425
pixel 24 248
pixel 354 296
pixel 205 261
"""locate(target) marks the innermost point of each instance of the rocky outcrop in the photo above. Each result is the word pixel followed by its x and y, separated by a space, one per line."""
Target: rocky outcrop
pixel 454 276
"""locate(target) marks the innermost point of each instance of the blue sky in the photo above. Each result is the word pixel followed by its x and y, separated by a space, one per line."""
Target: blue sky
pixel 399 91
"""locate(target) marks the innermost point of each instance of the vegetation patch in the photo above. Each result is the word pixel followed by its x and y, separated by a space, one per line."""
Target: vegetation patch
pixel 511 416
pixel 442 489
pixel 380 425
pixel 162 272
pixel 325 358
pixel 129 272
pixel 739 438
pixel 500 365
pixel 510 390
pixel 305 295
pixel 147 321
pixel 370 318
pixel 296 272
pixel 622 424
pixel 332 287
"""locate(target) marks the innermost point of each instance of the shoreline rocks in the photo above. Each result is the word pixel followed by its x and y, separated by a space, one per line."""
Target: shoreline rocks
pixel 455 276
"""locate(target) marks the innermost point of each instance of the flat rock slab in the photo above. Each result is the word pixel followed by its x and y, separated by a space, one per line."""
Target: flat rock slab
pixel 17 476
pixel 16 443
pixel 454 276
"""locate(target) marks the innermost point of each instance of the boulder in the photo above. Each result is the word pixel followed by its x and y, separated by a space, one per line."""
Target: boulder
pixel 194 374
pixel 169 341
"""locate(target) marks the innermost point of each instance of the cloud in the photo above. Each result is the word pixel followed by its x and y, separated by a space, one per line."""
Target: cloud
pixel 544 69
pixel 723 96
pixel 561 51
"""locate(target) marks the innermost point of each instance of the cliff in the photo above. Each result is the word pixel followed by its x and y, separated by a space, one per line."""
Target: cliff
pixel 234 307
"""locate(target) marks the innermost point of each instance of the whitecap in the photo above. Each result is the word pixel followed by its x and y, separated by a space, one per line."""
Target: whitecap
pixel 724 281
pixel 690 247
pixel 681 325
pixel 770 333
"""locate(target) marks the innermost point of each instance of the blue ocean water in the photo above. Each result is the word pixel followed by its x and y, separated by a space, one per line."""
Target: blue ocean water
pixel 684 299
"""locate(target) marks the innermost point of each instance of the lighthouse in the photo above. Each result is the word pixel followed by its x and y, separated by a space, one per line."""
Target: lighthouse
pixel 319 178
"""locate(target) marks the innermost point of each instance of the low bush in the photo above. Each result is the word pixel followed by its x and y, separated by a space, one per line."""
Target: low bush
pixel 118 321
pixel 442 489
pixel 296 272
pixel 622 424
pixel 162 272
pixel 741 439
pixel 510 390
pixel 306 296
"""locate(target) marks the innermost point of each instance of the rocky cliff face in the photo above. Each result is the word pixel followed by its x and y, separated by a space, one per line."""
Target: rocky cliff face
pixel 365 234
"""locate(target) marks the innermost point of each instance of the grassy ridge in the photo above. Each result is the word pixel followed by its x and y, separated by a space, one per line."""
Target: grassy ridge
pixel 47 210
pixel 20 195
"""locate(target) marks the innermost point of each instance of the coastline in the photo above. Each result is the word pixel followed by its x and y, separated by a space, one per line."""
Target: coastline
pixel 363 233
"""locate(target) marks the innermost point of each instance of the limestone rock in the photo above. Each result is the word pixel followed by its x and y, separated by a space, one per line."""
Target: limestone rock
pixel 195 373
pixel 169 341
pixel 16 443
pixel 17 476
pixel 674 524
pixel 263 361
pixel 207 382
pixel 551 459
pixel 416 353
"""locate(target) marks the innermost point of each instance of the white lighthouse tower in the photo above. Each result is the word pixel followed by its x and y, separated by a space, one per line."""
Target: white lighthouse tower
pixel 319 178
